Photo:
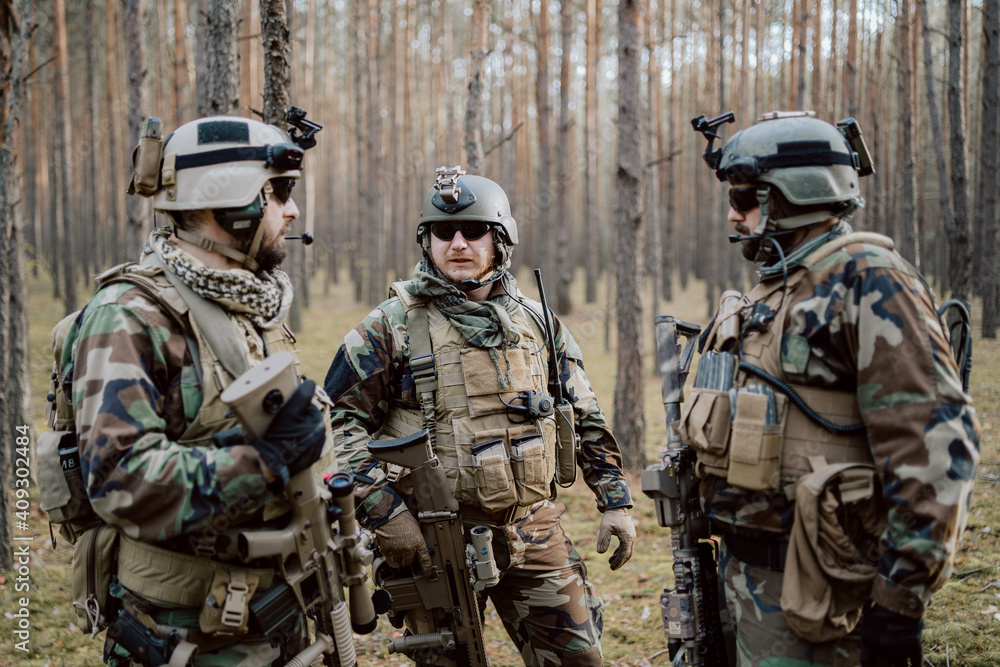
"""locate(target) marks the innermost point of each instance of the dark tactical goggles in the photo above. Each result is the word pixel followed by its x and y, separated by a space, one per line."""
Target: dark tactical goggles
pixel 471 229
pixel 743 200
pixel 282 188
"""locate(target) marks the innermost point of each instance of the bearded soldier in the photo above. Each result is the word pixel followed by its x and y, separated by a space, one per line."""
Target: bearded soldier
pixel 165 463
pixel 839 460
pixel 462 308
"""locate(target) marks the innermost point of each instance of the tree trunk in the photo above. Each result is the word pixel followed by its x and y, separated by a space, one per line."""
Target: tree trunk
pixel 277 74
pixel 112 111
pixel 182 81
pixel 909 246
pixel 989 166
pixel 851 64
pixel 63 125
pixel 13 295
pixel 222 60
pixel 960 257
pixel 592 215
pixel 629 420
pixel 543 192
pixel 473 108
pixel 135 19
pixel 375 242
pixel 564 259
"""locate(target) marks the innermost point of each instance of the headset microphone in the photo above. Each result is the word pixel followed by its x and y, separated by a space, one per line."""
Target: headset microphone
pixel 306 238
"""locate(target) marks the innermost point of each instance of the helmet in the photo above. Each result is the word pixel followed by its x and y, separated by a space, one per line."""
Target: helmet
pixel 220 163
pixel 459 197
pixel 456 196
pixel 223 162
pixel 809 161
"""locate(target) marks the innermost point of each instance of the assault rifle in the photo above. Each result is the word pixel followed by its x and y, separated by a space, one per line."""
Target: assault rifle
pixel 448 591
pixel 315 562
pixel 691 609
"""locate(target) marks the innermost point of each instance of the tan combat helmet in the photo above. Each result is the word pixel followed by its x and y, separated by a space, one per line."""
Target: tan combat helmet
pixel 809 161
pixel 225 164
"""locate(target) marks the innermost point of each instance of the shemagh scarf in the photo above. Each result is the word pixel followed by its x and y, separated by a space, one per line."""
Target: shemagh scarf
pixel 486 324
pixel 264 298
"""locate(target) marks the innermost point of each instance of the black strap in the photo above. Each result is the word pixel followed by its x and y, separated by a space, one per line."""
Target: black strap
pixel 804 158
pixel 223 155
pixel 762 552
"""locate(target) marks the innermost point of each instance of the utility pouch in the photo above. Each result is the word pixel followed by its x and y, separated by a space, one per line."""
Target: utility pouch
pixel 527 460
pixel 227 605
pixel 833 549
pixel 62 490
pixel 95 560
pixel 567 445
pixel 494 478
pixel 705 424
pixel 755 439
pixel 481 371
pixel 146 159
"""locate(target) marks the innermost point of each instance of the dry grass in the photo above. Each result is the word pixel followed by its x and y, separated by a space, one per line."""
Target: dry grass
pixel 962 628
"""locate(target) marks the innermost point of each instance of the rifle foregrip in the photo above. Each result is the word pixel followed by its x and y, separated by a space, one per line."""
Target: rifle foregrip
pixel 407 451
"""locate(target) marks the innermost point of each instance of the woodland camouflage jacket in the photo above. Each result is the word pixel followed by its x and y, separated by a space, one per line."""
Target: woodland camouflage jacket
pixel 135 391
pixel 864 321
pixel 371 372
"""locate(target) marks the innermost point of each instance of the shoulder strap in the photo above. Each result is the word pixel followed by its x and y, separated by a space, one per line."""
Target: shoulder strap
pixel 422 365
pixel 409 301
pixel 216 326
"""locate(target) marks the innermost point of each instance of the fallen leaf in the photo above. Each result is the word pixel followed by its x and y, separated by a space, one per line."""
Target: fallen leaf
pixel 646 613
pixel 992 609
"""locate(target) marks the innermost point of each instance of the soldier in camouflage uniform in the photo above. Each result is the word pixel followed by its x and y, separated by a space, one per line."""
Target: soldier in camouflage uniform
pixel 489 350
pixel 165 463
pixel 834 538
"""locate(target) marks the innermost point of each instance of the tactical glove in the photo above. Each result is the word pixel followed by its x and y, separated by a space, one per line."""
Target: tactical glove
pixel 616 522
pixel 889 639
pixel 295 439
pixel 400 540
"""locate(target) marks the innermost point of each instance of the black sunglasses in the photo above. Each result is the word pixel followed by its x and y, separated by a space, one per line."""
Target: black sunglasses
pixel 282 188
pixel 743 200
pixel 471 230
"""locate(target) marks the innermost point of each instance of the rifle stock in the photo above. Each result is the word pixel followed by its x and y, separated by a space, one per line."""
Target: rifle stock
pixel 691 609
pixel 447 593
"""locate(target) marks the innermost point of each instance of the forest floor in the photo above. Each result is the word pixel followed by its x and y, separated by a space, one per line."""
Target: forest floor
pixel 963 620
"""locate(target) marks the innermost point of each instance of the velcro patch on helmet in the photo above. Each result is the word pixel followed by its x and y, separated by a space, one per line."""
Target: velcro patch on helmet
pixel 224 131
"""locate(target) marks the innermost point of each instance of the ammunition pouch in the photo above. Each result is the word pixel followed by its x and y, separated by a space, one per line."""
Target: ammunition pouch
pixel 93 568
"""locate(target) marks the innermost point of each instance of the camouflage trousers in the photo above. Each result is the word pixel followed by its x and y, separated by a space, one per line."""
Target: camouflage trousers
pixel 763 637
pixel 544 599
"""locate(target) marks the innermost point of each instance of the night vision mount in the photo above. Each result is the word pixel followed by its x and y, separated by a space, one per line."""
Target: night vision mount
pixel 708 129
pixel 297 119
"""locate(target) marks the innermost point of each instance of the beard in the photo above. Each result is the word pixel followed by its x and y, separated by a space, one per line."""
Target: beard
pixel 750 248
pixel 271 254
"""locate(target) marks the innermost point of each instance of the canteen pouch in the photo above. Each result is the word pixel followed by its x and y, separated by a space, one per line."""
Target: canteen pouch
pixel 227 605
pixel 95 560
pixel 527 461
pixel 494 478
pixel 705 425
pixel 755 444
pixel 567 445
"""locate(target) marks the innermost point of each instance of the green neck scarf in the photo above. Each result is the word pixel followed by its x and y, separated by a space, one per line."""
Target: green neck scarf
pixel 486 324
pixel 795 257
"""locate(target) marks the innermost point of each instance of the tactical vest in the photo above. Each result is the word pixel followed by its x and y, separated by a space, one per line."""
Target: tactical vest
pixel 739 445
pixel 156 574
pixel 494 462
